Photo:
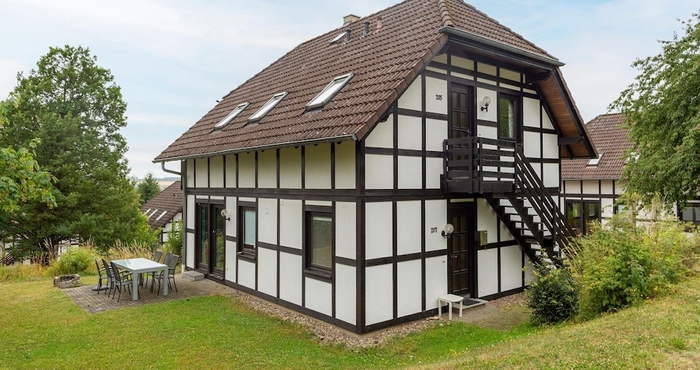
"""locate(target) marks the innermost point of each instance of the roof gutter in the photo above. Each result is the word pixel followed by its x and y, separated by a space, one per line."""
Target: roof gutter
pixel 162 167
pixel 491 42
pixel 256 148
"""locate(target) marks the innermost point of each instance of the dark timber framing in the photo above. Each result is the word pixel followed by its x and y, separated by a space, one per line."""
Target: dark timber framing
pixel 360 196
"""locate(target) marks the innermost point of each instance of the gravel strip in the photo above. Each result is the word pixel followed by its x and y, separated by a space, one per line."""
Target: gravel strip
pixel 330 334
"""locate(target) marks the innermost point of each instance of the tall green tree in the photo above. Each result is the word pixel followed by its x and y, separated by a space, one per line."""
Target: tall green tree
pixel 662 112
pixel 75 109
pixel 148 188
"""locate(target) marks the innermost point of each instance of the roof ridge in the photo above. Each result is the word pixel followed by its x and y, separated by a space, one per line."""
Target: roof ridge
pixel 508 29
pixel 444 10
pixel 307 42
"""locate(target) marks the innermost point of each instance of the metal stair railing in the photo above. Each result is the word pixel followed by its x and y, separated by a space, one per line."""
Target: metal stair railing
pixel 532 188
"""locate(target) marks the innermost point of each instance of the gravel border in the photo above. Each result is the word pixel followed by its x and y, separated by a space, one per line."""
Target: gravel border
pixel 333 335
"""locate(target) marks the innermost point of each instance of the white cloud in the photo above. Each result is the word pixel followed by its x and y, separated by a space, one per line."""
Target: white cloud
pixel 174 58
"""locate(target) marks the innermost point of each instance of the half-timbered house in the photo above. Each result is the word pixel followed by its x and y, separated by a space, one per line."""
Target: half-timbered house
pixel 405 155
pixel 164 209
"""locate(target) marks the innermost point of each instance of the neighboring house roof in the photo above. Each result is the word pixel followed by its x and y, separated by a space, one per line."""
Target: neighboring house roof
pixel 402 39
pixel 610 139
pixel 163 207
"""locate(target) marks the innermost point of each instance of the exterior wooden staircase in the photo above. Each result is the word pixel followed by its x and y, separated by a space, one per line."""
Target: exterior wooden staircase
pixel 499 171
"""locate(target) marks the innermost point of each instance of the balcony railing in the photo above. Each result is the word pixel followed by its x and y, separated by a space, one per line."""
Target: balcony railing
pixel 478 165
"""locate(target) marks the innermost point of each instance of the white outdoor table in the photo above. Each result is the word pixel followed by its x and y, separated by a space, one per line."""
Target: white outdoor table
pixel 138 266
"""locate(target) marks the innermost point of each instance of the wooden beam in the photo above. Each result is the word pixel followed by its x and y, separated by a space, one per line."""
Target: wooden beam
pixel 570 140
pixel 538 77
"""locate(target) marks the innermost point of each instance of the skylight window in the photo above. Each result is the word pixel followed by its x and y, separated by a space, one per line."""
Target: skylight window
pixel 161 215
pixel 257 116
pixel 595 161
pixel 235 112
pixel 329 91
pixel 338 38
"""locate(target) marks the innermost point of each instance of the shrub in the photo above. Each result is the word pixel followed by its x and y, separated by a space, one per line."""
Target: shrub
pixel 74 261
pixel 174 242
pixel 624 263
pixel 552 295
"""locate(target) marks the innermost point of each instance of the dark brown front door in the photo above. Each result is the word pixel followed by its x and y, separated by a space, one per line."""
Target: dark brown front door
pixel 462 261
pixel 461 111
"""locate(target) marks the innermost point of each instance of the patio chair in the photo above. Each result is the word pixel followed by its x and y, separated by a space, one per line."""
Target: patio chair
pixel 157 255
pixel 167 257
pixel 158 275
pixel 110 279
pixel 172 265
pixel 102 276
pixel 171 260
pixel 120 280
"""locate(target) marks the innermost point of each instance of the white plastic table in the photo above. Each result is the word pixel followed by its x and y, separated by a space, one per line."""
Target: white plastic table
pixel 138 266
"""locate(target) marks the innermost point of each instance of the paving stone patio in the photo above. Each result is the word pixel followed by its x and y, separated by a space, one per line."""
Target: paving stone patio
pixel 93 302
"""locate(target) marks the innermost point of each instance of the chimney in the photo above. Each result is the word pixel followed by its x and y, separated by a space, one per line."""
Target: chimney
pixel 349 19
pixel 379 25
pixel 366 30
pixel 347 36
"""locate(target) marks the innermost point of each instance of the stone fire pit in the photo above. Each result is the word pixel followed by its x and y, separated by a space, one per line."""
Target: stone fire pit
pixel 66 281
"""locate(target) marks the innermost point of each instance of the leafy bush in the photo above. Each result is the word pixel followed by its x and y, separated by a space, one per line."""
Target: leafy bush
pixel 552 295
pixel 174 242
pixel 623 263
pixel 74 261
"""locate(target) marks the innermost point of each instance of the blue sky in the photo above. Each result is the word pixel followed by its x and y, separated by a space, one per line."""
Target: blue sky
pixel 173 59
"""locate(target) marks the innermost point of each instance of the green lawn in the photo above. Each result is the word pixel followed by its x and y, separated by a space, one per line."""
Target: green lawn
pixel 43 328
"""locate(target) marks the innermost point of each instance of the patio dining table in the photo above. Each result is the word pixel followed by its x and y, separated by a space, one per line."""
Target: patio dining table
pixel 139 266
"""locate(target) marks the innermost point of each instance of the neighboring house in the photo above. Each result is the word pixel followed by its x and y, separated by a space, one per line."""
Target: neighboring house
pixel 164 209
pixel 590 187
pixel 325 182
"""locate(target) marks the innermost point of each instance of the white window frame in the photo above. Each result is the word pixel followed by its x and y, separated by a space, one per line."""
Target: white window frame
pixel 234 113
pixel 338 38
pixel 267 107
pixel 330 91
pixel 595 161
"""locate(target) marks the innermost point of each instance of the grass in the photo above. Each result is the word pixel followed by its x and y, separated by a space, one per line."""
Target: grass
pixel 43 328
pixel 663 333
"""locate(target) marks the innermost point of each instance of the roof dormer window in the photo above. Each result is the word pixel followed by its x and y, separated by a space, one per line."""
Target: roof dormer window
pixel 234 113
pixel 330 91
pixel 265 109
pixel 595 161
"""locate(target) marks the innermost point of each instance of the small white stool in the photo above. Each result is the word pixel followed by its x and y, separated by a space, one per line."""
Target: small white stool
pixel 450 299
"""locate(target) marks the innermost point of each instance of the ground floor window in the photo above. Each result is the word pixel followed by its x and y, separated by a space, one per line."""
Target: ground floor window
pixel 247 228
pixel 319 240
pixel 580 213
pixel 691 212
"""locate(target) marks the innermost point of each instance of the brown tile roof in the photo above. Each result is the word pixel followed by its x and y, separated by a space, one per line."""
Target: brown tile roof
pixel 470 19
pixel 169 201
pixel 610 139
pixel 384 63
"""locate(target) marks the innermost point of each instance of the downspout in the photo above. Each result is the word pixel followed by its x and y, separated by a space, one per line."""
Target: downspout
pixel 162 167
pixel 184 214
